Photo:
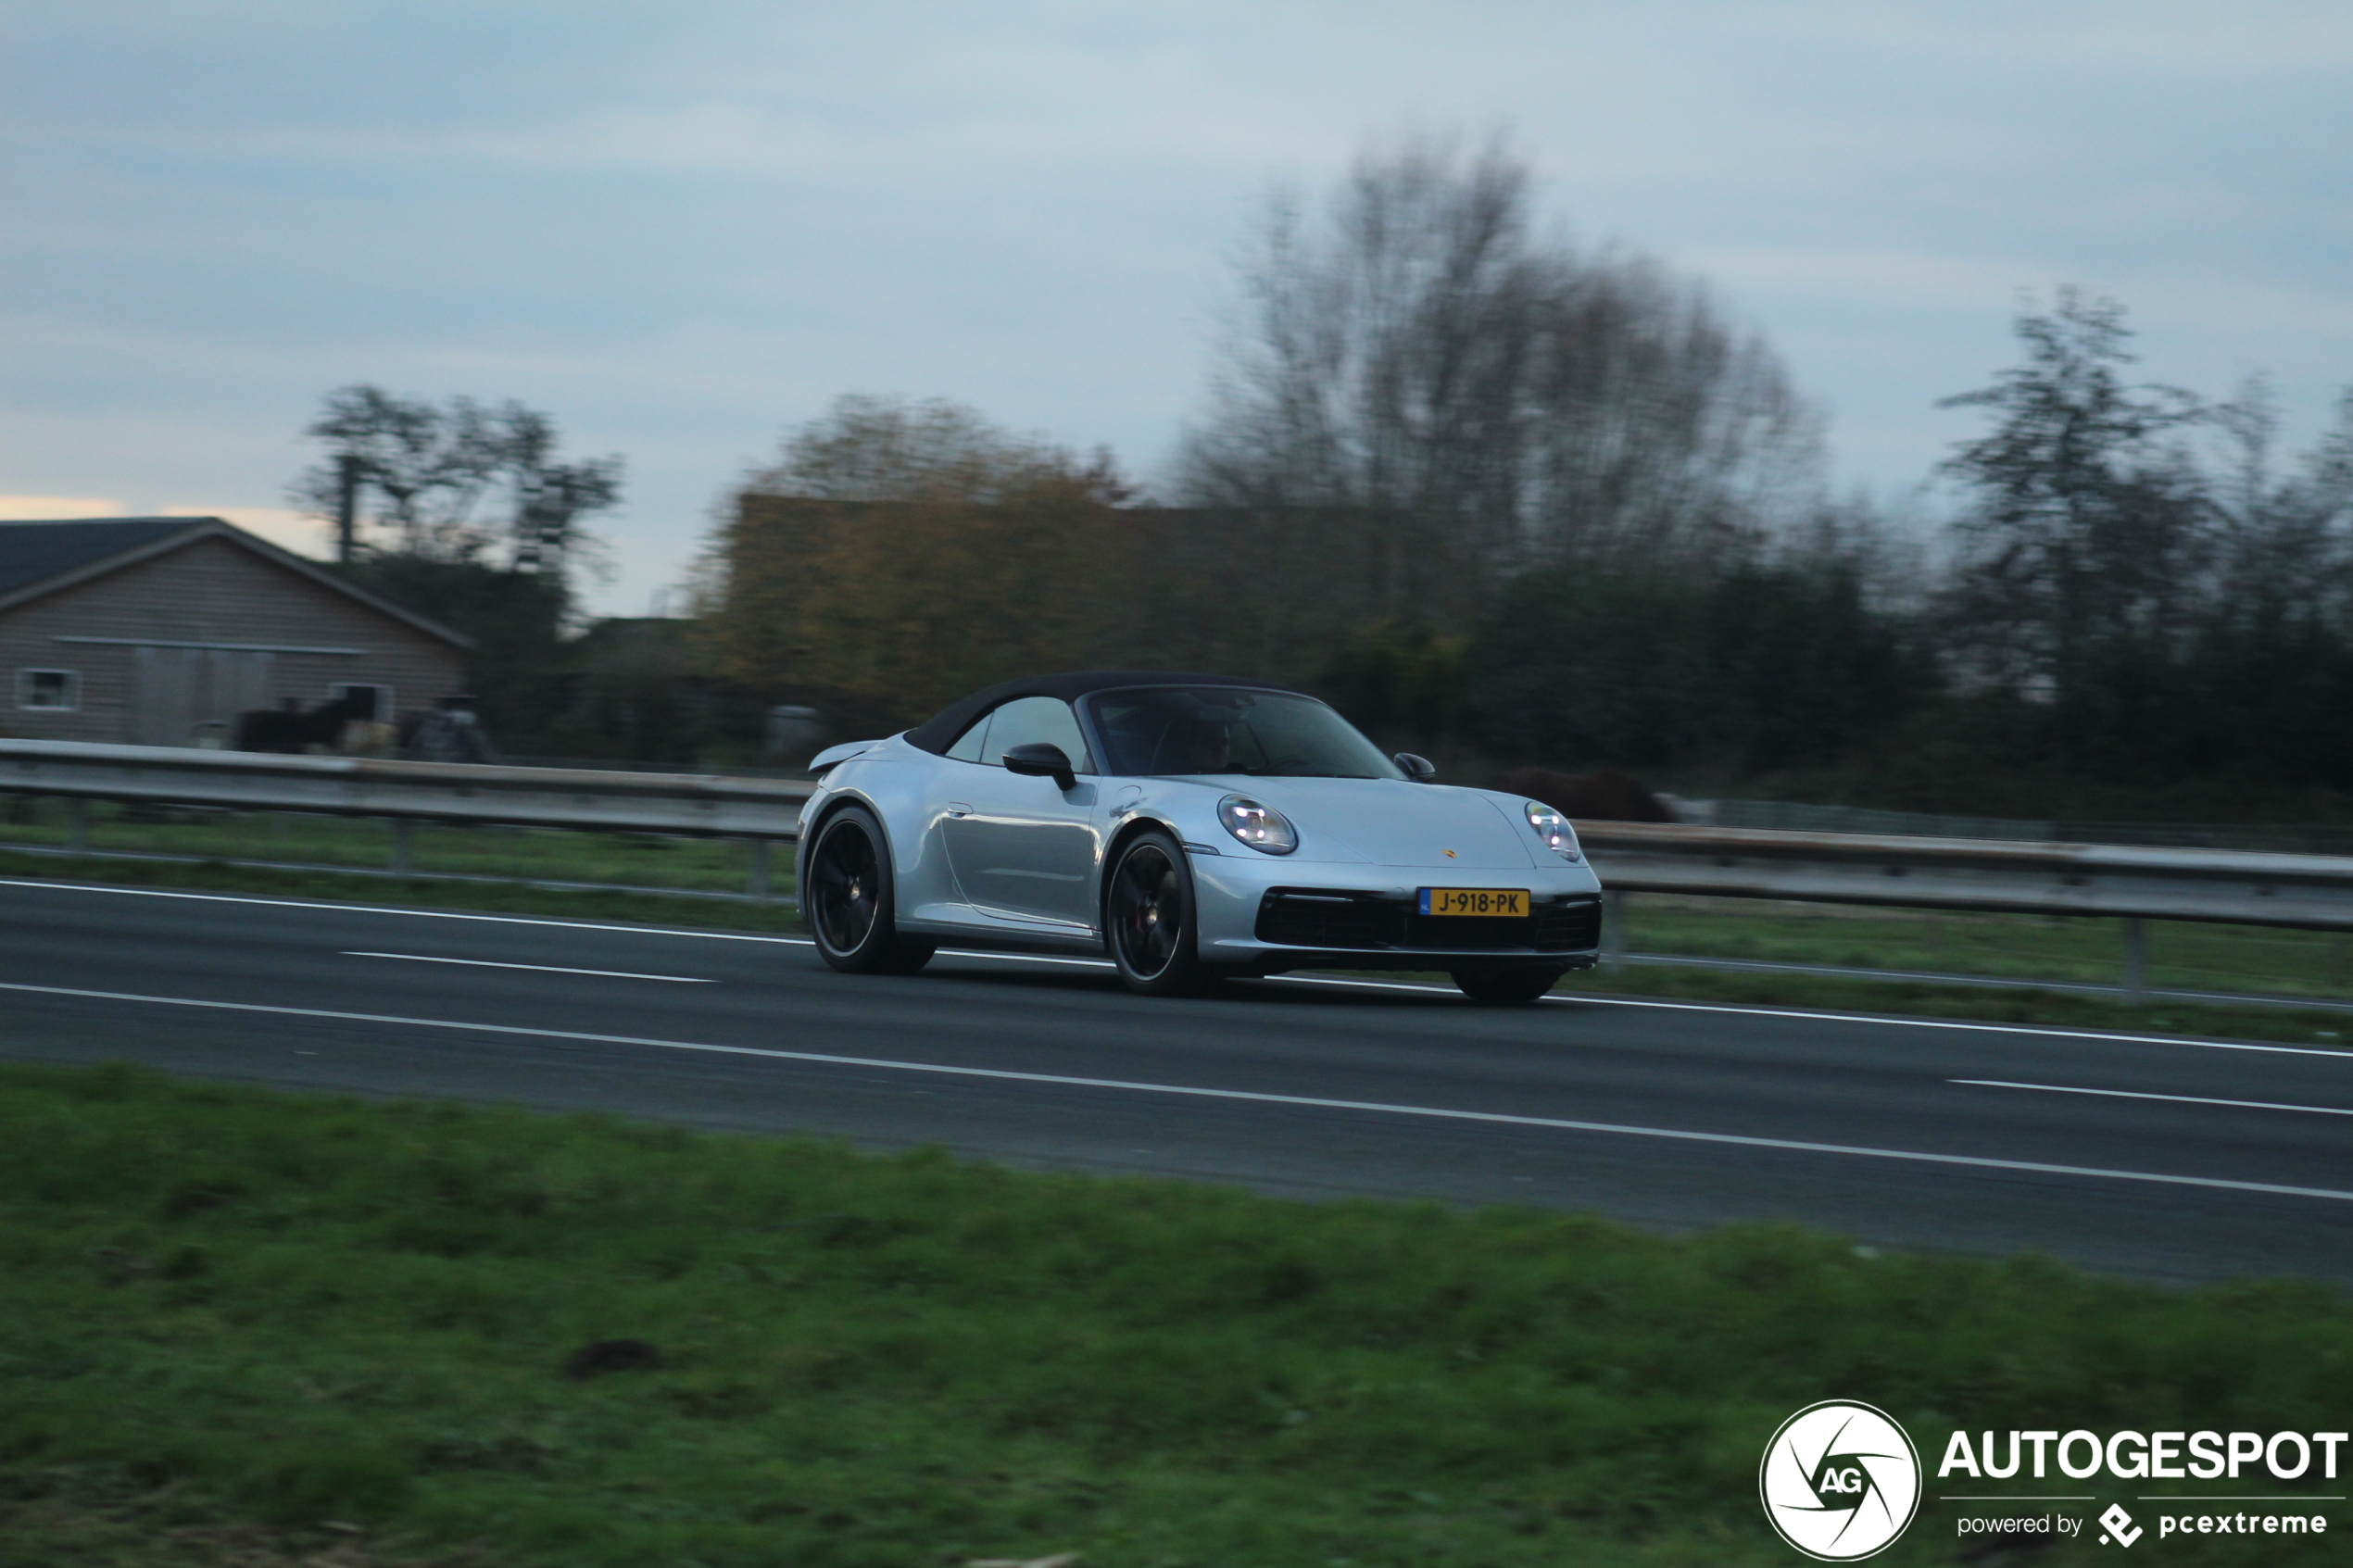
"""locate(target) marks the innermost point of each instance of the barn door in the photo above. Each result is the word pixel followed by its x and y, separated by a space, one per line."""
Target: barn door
pixel 241 681
pixel 164 695
pixel 180 695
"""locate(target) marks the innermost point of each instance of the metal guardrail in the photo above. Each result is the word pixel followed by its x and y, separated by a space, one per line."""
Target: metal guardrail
pixel 1792 816
pixel 2136 883
pixel 760 811
pixel 697 804
pixel 1974 874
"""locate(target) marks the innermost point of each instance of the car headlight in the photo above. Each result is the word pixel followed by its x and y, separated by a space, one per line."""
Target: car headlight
pixel 1553 829
pixel 1260 827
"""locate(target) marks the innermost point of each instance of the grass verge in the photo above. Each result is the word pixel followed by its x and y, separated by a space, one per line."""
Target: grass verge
pixel 313 1326
pixel 1913 999
pixel 415 892
pixel 638 859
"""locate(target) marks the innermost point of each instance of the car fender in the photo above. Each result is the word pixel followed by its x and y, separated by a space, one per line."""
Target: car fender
pixel 823 808
pixel 820 810
pixel 1119 840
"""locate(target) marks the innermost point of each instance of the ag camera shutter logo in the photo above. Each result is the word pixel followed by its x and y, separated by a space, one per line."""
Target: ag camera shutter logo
pixel 1840 1481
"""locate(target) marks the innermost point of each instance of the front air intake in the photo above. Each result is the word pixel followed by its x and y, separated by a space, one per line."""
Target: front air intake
pixel 1336 918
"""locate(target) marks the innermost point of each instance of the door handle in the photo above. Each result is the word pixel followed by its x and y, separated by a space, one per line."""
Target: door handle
pixel 958 808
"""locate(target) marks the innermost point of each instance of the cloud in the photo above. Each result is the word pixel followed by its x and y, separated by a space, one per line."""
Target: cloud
pixel 682 231
pixel 53 508
pixel 297 532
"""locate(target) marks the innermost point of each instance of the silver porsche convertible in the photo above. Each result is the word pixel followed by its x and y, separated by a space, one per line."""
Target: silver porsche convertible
pixel 1191 827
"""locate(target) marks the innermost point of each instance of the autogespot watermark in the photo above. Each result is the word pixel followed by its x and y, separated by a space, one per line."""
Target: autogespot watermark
pixel 2081 1455
pixel 1841 1481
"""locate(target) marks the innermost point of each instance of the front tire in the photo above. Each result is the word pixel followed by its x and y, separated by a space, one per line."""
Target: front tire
pixel 850 900
pixel 1505 988
pixel 1149 920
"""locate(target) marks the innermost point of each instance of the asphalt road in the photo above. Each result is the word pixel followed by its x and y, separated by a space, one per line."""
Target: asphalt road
pixel 2179 1160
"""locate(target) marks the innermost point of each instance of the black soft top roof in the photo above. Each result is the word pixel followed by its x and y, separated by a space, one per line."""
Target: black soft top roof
pixel 939 732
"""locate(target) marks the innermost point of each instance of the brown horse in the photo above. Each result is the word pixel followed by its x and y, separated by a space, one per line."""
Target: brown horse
pixel 1601 797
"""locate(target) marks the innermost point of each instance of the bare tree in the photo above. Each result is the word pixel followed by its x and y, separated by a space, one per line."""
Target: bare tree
pixel 1480 401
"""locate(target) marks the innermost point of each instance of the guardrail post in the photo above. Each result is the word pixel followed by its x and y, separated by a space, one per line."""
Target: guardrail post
pixel 1613 931
pixel 77 825
pixel 2136 960
pixel 404 845
pixel 760 868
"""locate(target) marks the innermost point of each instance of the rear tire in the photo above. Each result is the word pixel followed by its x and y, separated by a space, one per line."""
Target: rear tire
pixel 850 901
pixel 1505 988
pixel 1150 921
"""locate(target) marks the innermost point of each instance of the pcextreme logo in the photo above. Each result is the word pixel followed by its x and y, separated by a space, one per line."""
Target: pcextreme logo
pixel 1840 1481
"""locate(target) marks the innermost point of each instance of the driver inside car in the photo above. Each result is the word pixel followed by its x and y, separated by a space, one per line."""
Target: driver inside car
pixel 1202 745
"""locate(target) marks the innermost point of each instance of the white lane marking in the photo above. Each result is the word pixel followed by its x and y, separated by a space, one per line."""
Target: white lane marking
pixel 1954 1024
pixel 536 968
pixel 2119 1040
pixel 1844 1018
pixel 2112 1036
pixel 2131 1094
pixel 1795 1146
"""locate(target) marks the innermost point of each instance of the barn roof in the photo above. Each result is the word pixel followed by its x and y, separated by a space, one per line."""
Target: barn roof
pixel 34 552
pixel 39 557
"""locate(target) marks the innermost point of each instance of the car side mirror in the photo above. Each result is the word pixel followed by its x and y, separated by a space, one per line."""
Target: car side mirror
pixel 1421 770
pixel 1040 760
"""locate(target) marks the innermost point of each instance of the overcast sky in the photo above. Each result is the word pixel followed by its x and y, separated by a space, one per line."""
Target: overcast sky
pixel 683 229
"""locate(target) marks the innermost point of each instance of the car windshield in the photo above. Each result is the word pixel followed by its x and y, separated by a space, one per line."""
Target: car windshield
pixel 1224 730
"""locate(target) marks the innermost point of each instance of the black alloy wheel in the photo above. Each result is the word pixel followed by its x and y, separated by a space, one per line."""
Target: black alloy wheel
pixel 1505 988
pixel 849 903
pixel 1148 919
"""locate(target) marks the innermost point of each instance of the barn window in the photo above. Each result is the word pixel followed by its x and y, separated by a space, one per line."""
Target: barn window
pixel 56 690
pixel 380 695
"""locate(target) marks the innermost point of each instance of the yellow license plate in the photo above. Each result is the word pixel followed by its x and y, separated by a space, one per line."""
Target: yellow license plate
pixel 1490 901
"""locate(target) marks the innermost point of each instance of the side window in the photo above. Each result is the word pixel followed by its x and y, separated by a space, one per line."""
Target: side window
pixel 968 744
pixel 58 690
pixel 1031 719
pixel 376 698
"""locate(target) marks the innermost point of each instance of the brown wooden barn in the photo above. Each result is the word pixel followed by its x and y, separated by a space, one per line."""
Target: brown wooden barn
pixel 160 631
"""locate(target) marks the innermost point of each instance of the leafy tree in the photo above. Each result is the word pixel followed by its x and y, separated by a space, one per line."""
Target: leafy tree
pixel 901 555
pixel 2089 536
pixel 517 621
pixel 1769 664
pixel 872 449
pixel 430 472
pixel 469 517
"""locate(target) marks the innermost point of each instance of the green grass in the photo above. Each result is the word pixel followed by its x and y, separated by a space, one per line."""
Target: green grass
pixel 495 898
pixel 2183 956
pixel 640 859
pixel 1906 999
pixel 229 1312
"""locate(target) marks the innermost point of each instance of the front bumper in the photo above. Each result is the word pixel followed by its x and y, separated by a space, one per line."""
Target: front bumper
pixel 1264 914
